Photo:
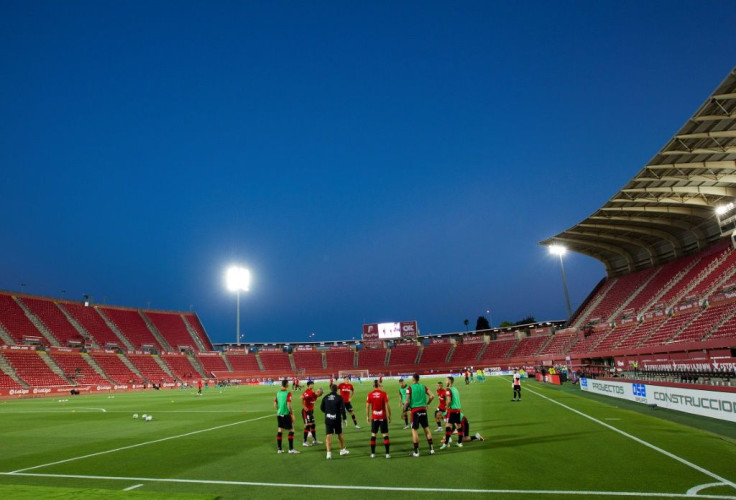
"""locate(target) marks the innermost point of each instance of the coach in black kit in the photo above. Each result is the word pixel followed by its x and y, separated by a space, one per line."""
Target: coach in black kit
pixel 333 407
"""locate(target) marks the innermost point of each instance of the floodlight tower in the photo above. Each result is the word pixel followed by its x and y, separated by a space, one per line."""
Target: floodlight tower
pixel 559 250
pixel 237 278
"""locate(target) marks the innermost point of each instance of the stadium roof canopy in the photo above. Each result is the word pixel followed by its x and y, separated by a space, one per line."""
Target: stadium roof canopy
pixel 669 208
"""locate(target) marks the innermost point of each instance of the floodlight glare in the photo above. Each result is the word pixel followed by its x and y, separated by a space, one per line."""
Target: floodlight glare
pixel 237 278
pixel 722 209
pixel 557 250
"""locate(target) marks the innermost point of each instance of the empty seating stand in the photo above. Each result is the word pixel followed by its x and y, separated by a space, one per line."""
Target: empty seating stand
pixel 340 359
pixel 173 329
pixel 466 354
pixel 497 351
pixel 15 321
pixel 149 368
pixel 89 318
pixel 276 363
pixel 32 370
pixel 308 362
pixel 76 368
pixel 212 363
pixel 435 355
pixel 193 321
pixel 54 320
pixel 180 366
pixel 372 359
pixel 529 346
pixel 244 363
pixel 403 356
pixel 131 324
pixel 115 368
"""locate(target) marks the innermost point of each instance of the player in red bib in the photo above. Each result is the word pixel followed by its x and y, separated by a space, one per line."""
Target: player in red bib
pixel 308 399
pixel 378 415
pixel 441 412
pixel 346 392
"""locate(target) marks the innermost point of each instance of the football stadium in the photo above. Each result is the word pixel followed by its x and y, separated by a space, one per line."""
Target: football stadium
pixel 240 241
pixel 633 396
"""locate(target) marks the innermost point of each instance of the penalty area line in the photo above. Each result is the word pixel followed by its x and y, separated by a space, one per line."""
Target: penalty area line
pixel 193 433
pixel 637 494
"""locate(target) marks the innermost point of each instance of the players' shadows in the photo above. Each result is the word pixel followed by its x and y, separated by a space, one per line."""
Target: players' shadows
pixel 520 424
pixel 515 441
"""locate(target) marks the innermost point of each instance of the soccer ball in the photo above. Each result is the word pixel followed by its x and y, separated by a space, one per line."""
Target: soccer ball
pixel 144 416
pixel 135 415
pixel 149 418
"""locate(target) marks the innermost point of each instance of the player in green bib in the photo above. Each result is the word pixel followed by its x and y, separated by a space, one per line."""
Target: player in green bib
pixel 418 398
pixel 402 395
pixel 454 416
pixel 284 416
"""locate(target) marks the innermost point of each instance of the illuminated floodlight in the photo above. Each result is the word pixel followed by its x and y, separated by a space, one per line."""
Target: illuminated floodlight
pixel 237 279
pixel 557 250
pixel 722 209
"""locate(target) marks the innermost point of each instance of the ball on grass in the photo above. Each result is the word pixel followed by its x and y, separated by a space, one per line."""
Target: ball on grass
pixel 135 415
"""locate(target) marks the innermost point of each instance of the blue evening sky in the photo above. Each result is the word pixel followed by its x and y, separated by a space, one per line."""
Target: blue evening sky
pixel 368 161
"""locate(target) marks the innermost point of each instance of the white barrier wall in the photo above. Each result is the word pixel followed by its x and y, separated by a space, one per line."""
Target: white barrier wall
pixel 714 404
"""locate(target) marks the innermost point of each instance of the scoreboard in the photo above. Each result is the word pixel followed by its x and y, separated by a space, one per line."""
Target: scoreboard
pixel 389 331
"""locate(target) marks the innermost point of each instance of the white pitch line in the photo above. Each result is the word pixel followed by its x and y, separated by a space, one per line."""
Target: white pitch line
pixel 696 489
pixel 131 488
pixel 637 494
pixel 140 444
pixel 641 441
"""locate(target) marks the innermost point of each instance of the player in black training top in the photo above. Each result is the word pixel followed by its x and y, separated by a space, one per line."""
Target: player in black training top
pixel 333 407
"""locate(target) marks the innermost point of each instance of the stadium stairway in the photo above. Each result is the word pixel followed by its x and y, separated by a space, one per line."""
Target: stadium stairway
pixel 195 325
pixel 705 276
pixel 671 285
pixel 119 334
pixel 53 366
pixel 96 367
pixel 291 362
pixel 161 363
pixel 156 333
pixel 197 366
pixel 260 363
pixel 6 339
pixel 634 296
pixel 78 326
pixel 131 366
pixel 593 304
pixel 482 351
pixel 193 333
pixel 227 363
pixel 8 370
pixel 450 353
pixel 37 323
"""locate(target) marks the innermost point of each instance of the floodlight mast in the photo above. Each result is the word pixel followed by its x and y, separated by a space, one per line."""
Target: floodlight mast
pixel 559 250
pixel 237 278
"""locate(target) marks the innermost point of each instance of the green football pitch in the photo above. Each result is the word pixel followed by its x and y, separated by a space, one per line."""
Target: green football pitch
pixel 556 443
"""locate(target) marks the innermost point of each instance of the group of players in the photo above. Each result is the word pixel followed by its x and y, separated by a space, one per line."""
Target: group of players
pixel 415 400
